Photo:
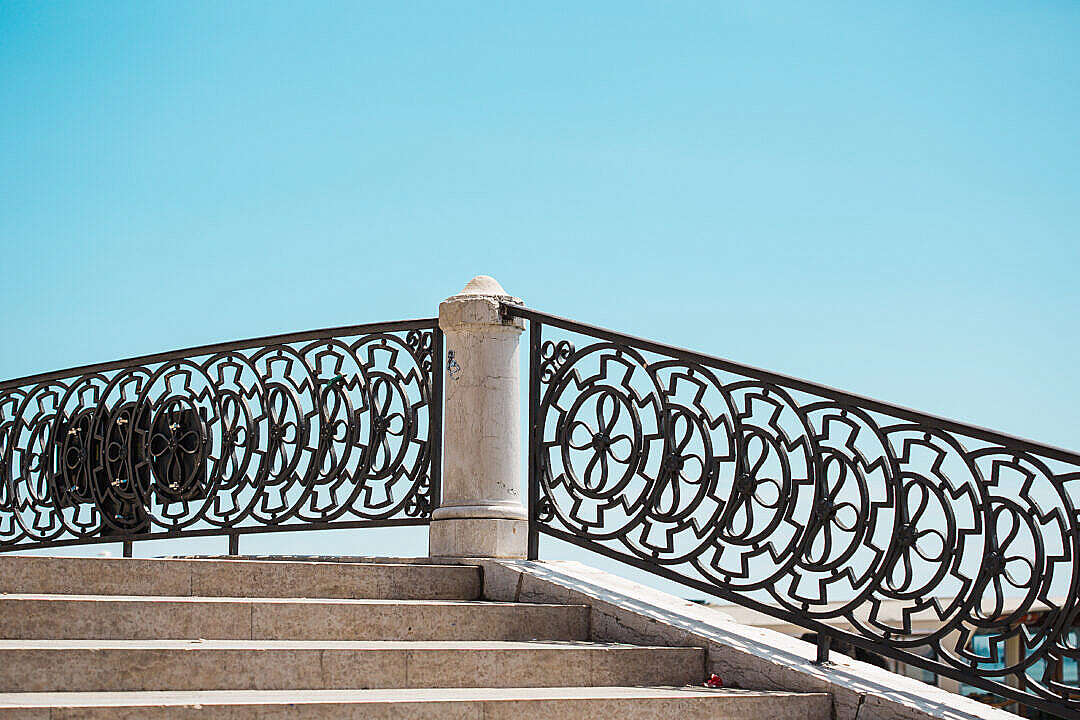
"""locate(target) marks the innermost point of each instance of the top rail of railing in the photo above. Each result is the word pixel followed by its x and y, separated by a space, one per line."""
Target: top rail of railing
pixel 794 383
pixel 213 348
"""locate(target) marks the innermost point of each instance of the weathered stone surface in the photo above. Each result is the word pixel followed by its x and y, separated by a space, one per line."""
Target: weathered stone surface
pixel 481 512
pixel 570 703
pixel 105 576
pixel 125 617
pixel 118 616
pixel 761 659
pixel 331 580
pixel 363 649
pixel 116 665
pixel 416 620
pixel 479 537
pixel 237 578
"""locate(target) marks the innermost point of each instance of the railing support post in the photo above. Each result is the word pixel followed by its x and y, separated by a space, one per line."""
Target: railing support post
pixel 824 642
pixel 481 514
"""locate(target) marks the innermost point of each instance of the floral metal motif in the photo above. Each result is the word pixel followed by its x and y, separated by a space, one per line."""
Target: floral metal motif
pixel 852 518
pixel 324 429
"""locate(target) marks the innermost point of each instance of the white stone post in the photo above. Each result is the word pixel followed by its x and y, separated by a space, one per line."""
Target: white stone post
pixel 481 514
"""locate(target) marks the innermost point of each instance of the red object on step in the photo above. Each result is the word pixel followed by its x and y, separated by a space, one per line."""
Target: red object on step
pixel 714 681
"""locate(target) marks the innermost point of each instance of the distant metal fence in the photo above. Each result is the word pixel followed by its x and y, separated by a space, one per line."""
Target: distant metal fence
pixel 325 429
pixel 812 505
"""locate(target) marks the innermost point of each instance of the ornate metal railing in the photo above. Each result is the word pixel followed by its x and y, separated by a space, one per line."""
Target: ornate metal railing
pixel 939 544
pixel 325 429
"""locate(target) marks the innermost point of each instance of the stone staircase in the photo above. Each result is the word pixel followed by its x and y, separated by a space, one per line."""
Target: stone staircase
pixel 93 638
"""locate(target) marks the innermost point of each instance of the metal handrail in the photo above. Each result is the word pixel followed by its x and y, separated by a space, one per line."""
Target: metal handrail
pixel 812 505
pixel 331 428
pixel 214 348
pixel 872 404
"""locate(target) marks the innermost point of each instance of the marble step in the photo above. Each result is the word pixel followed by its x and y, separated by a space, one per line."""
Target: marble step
pixel 131 665
pixel 555 703
pixel 119 617
pixel 237 578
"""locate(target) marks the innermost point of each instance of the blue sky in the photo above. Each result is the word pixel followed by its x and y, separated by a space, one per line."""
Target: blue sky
pixel 881 197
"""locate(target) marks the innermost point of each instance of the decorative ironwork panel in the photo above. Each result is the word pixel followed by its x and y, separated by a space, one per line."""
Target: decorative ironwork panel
pixel 330 428
pixel 928 541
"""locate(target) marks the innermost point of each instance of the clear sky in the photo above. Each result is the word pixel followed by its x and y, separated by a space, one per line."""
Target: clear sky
pixel 884 197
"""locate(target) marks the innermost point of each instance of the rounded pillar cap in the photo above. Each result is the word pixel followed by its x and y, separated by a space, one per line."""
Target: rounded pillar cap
pixel 478 303
pixel 483 285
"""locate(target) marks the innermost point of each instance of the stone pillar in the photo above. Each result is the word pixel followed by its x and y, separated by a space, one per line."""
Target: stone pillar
pixel 481 514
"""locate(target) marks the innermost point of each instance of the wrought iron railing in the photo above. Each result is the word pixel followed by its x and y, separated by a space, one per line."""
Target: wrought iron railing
pixel 316 430
pixel 942 545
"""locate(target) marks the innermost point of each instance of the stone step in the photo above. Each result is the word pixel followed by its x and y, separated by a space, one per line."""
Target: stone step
pixel 129 665
pixel 119 617
pixel 237 578
pixel 625 703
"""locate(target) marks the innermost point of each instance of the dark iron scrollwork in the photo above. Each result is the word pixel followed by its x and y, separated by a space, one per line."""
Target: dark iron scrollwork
pixel 898 532
pixel 333 428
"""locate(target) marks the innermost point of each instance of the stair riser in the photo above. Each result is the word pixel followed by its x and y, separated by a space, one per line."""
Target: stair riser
pixel 52 619
pixel 749 708
pixel 234 578
pixel 106 670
